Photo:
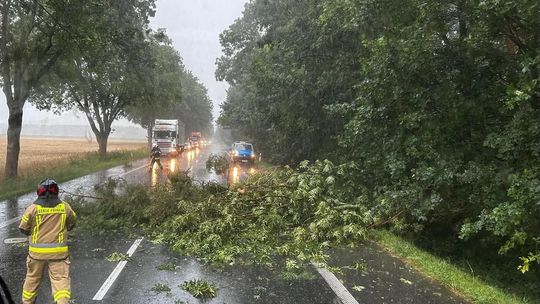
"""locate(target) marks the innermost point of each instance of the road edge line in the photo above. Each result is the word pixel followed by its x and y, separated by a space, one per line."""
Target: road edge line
pixel 100 294
pixel 335 284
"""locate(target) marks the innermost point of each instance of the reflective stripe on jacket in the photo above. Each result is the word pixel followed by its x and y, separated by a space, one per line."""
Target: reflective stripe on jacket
pixel 48 227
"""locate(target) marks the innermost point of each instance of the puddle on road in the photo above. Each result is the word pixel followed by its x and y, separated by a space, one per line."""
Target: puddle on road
pixel 239 172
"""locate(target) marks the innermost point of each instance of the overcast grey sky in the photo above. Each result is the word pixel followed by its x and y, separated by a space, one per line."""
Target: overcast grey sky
pixel 194 26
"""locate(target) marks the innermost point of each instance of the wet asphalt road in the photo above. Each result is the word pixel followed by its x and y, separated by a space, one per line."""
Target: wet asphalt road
pixel 385 279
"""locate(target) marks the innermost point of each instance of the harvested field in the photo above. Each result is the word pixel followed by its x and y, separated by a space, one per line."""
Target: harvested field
pixel 37 154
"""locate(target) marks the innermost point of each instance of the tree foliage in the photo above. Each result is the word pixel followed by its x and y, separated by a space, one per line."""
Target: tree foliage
pixel 105 75
pixel 161 88
pixel 196 109
pixel 283 72
pixel 175 93
pixel 295 213
pixel 434 104
pixel 34 36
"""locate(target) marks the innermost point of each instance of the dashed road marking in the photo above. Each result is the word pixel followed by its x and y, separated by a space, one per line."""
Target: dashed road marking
pixel 116 272
pixel 341 292
pixel 9 222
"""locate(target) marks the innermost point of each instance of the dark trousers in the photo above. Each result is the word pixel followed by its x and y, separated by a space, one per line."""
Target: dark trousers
pixel 155 160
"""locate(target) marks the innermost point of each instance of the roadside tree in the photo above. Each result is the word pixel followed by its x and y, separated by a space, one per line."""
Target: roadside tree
pixel 285 68
pixel 162 88
pixel 109 73
pixel 34 36
pixel 434 104
pixel 196 109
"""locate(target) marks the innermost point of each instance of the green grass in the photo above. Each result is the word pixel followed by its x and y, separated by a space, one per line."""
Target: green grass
pixel 76 167
pixel 463 283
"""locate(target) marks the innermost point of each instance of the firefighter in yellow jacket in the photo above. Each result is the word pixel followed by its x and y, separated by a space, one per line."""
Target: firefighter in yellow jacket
pixel 47 222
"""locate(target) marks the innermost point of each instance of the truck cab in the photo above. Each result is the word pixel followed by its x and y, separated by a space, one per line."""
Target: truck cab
pixel 196 140
pixel 166 136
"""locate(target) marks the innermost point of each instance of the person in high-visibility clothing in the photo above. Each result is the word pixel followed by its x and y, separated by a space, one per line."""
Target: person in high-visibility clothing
pixel 46 222
pixel 155 157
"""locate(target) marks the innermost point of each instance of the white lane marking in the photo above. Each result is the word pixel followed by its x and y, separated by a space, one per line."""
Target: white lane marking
pixel 130 171
pixel 9 222
pixel 341 292
pixel 16 219
pixel 116 272
pixel 15 240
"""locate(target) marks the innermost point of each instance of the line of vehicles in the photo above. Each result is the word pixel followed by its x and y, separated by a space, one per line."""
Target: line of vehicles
pixel 167 134
pixel 167 144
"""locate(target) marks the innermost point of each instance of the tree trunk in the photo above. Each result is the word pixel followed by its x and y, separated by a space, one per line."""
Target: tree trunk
pixel 149 135
pixel 17 78
pixel 102 133
pixel 13 143
pixel 102 143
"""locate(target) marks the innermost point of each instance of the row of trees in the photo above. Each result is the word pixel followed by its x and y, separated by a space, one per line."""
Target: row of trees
pixel 188 102
pixel 96 56
pixel 435 106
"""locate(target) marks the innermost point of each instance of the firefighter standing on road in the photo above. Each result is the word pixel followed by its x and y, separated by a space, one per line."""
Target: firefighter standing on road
pixel 155 155
pixel 47 222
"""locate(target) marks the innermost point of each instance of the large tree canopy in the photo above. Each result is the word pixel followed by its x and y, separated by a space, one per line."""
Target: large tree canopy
pixel 109 72
pixel 173 92
pixel 161 88
pixel 284 69
pixel 196 110
pixel 433 104
pixel 34 36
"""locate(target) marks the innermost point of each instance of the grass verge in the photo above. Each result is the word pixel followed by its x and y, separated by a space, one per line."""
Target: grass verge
pixel 463 283
pixel 72 168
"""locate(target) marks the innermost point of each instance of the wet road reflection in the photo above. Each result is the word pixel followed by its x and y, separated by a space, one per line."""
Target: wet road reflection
pixel 12 208
pixel 191 156
pixel 173 164
pixel 239 172
pixel 154 175
pixel 236 284
pixel 194 162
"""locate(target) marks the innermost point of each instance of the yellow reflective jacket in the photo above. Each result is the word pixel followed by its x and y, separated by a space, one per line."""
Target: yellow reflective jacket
pixel 47 229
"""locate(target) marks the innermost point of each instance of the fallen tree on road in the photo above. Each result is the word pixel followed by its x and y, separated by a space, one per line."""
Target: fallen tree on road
pixel 282 218
pixel 293 213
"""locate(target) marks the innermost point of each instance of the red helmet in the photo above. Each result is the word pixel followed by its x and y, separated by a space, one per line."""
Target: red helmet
pixel 47 187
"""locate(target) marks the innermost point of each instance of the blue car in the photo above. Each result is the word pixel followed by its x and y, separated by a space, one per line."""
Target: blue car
pixel 242 152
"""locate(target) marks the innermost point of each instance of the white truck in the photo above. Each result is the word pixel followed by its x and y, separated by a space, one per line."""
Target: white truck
pixel 165 135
